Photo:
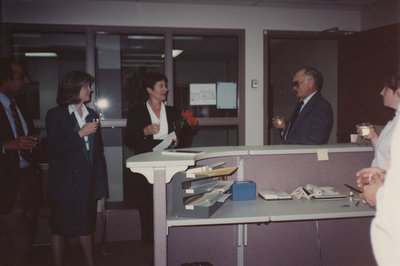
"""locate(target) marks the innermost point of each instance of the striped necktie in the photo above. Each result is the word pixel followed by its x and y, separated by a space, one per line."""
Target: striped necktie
pixel 26 154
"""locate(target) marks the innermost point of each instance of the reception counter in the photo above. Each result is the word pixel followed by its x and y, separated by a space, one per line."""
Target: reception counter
pixel 258 232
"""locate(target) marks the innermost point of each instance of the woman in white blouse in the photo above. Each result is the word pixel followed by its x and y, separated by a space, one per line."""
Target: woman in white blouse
pixel 147 125
pixel 391 98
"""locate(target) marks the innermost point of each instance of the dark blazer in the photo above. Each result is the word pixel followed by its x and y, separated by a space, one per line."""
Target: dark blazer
pixel 313 125
pixel 138 118
pixel 9 162
pixel 74 174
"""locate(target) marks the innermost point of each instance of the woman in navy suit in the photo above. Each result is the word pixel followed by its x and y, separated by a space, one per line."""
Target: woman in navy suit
pixel 147 125
pixel 76 165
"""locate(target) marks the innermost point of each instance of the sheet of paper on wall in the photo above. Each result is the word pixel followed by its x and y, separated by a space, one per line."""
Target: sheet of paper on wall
pixel 166 142
pixel 203 94
pixel 226 95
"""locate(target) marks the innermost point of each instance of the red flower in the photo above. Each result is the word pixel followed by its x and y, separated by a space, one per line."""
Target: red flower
pixel 190 119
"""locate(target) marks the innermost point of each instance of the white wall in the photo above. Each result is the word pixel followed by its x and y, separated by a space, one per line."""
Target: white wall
pixel 253 19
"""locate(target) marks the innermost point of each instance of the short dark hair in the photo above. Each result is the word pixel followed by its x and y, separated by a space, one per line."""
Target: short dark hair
pixel 70 87
pixel 392 81
pixel 6 71
pixel 152 78
pixel 314 73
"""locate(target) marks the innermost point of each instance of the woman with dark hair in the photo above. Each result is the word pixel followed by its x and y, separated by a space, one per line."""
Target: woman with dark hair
pixel 76 165
pixel 147 125
pixel 381 143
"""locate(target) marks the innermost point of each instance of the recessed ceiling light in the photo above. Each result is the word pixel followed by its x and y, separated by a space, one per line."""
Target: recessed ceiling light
pixel 40 54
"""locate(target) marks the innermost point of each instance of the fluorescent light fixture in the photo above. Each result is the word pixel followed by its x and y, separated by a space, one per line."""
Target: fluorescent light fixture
pixel 142 60
pixel 140 55
pixel 145 37
pixel 40 54
pixel 102 103
pixel 175 53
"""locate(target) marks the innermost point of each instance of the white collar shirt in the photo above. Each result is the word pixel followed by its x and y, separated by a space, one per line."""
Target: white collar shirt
pixel 5 101
pixel 81 120
pixel 162 121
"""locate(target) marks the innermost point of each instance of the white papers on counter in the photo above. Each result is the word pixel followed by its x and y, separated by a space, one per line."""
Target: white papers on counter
pixel 166 142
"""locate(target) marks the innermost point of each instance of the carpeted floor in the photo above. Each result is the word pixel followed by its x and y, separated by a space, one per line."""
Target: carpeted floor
pixel 132 253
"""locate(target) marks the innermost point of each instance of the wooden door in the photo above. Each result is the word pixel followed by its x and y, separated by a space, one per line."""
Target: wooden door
pixel 365 58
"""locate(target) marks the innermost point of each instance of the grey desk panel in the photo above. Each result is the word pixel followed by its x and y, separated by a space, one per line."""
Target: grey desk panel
pixel 295 210
pixel 231 212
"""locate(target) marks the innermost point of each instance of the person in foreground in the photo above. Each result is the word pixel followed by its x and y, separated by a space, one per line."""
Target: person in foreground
pixel 391 99
pixel 311 121
pixel 147 125
pixel 382 190
pixel 76 165
pixel 20 176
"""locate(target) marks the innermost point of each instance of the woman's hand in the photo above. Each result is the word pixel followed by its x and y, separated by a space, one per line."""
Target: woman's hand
pixel 366 175
pixel 88 129
pixel 151 129
pixel 175 141
pixel 372 135
pixel 370 191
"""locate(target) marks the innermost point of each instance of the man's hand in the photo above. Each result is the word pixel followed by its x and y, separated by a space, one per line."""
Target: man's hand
pixel 279 123
pixel 21 143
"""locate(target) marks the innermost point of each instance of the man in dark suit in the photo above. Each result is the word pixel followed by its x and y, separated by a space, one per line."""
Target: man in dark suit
pixel 311 121
pixel 20 184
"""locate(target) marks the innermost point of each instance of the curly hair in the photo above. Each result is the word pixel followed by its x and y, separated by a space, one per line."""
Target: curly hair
pixel 152 78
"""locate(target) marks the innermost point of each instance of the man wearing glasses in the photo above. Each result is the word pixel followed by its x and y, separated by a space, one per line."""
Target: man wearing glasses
pixel 311 121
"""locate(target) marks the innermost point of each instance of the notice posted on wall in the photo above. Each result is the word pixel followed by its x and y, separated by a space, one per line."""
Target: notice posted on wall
pixel 226 95
pixel 203 94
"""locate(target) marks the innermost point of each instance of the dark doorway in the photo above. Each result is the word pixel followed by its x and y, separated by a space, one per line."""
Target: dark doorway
pixel 365 58
pixel 286 52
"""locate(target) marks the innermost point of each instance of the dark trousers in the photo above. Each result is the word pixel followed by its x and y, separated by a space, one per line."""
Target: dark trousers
pixel 138 193
pixel 146 211
pixel 17 227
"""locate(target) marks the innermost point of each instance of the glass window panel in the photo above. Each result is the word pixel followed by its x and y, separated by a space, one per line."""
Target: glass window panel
pixel 204 59
pixel 48 57
pixel 122 61
pixel 216 136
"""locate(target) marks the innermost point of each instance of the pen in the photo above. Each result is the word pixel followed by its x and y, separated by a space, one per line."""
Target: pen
pixel 358 202
pixel 353 188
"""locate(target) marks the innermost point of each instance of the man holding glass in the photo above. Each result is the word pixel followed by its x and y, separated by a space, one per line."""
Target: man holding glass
pixel 311 121
pixel 20 183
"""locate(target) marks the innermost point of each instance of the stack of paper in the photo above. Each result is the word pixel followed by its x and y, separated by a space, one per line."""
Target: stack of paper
pixel 270 194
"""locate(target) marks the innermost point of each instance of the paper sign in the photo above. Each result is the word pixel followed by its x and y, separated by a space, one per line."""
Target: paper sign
pixel 226 95
pixel 203 94
pixel 322 155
